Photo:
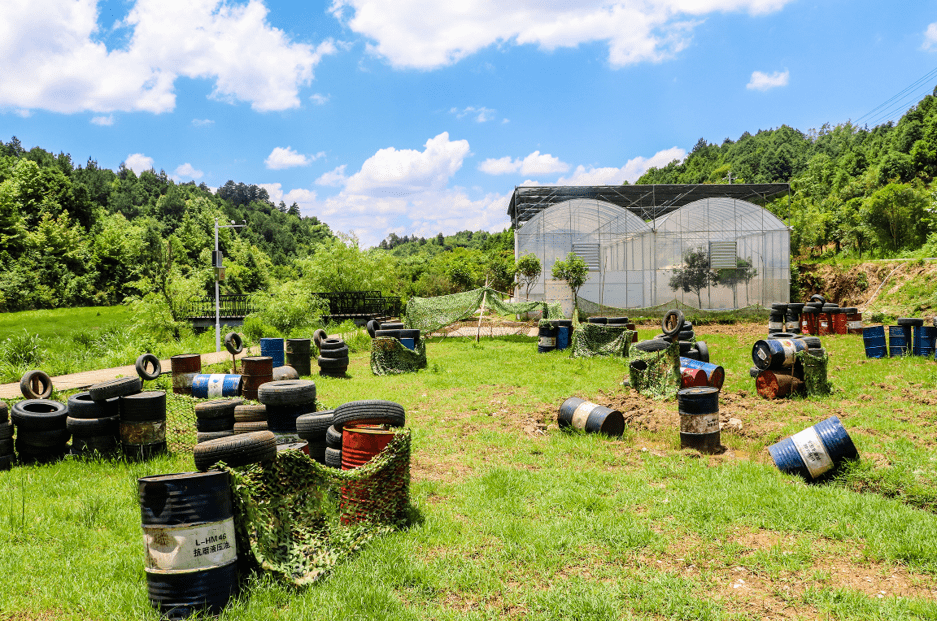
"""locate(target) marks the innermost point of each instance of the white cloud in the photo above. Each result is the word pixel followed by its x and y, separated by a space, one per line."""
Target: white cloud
pixel 480 115
pixel 930 37
pixel 202 122
pixel 304 198
pixel 534 164
pixel 763 82
pixel 630 172
pixel 320 100
pixel 187 171
pixel 334 178
pixel 137 162
pixel 281 158
pixel 52 58
pixel 105 121
pixel 400 172
pixel 408 34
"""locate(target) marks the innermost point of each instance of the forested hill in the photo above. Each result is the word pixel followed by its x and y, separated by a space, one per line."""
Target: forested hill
pixel 856 191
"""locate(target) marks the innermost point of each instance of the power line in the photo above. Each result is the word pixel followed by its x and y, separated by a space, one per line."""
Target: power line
pixel 899 103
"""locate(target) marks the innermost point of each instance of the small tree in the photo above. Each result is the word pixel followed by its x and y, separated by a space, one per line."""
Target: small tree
pixel 528 270
pixel 575 272
pixel 695 275
pixel 743 273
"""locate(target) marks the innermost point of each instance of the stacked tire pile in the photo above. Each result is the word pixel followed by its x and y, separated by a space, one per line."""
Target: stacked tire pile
pixel 312 428
pixel 7 456
pixel 409 337
pixel 41 430
pixel 676 328
pixel 94 425
pixel 215 419
pixel 785 318
pixel 333 357
pixel 285 401
pixel 249 417
pixel 376 414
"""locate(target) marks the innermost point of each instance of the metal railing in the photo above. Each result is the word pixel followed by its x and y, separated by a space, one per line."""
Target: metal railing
pixel 341 303
pixel 236 305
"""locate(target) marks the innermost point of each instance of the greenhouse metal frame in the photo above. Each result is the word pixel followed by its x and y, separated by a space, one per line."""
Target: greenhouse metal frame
pixel 635 238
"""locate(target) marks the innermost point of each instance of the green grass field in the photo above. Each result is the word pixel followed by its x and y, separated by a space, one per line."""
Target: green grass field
pixel 520 520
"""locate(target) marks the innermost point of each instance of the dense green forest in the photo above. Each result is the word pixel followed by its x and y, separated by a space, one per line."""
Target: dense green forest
pixel 85 235
pixel 856 192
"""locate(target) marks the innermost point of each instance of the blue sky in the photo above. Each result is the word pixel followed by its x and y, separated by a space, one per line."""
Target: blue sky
pixel 419 117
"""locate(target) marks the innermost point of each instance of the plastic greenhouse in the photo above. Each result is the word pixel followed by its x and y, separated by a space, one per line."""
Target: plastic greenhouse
pixel 636 238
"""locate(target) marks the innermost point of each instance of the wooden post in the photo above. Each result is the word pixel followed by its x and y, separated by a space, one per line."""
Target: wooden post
pixel 481 314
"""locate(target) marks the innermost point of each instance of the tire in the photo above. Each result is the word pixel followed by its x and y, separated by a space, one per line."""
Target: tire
pixel 372 327
pixel 251 427
pixel 143 406
pixel 249 448
pixel 901 321
pixel 331 343
pixel 6 446
pixel 703 350
pixel 217 408
pixel 44 439
pixel 36 385
pixel 371 411
pixel 6 462
pixel 109 426
pixel 812 342
pixel 205 436
pixel 819 352
pixel 409 333
pixel 214 424
pixel 333 437
pixel 250 413
pixel 6 430
pixel 338 352
pixel 754 371
pixel 392 325
pixel 282 418
pixel 333 457
pixel 652 345
pixel 313 426
pixel 81 405
pixel 120 387
pixel 685 346
pixel 4 412
pixel 339 372
pixel 816 297
pixel 318 336
pixel 287 392
pixel 233 343
pixel 672 322
pixel 685 335
pixel 38 415
pixel 148 367
pixel 286 372
pixel 392 333
pixel 332 363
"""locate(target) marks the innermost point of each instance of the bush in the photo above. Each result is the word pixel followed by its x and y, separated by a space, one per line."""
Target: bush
pixel 288 310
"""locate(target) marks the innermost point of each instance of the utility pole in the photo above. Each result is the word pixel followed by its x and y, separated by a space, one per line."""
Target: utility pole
pixel 219 276
pixel 729 177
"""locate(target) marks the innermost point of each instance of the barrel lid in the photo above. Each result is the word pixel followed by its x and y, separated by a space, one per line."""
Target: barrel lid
pixel 256 358
pixel 851 310
pixel 697 391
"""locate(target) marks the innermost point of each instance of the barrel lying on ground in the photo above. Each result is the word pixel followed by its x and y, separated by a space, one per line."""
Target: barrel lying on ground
pixel 590 417
pixel 814 451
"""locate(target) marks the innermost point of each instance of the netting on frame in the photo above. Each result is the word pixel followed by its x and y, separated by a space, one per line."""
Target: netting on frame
pixel 593 339
pixel 430 314
pixel 391 357
pixel 692 313
pixel 656 374
pixel 296 519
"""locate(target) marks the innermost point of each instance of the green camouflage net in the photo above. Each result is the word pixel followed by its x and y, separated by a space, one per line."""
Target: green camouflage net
pixel 815 378
pixel 593 339
pixel 431 314
pixel 692 313
pixel 390 357
pixel 298 518
pixel 655 374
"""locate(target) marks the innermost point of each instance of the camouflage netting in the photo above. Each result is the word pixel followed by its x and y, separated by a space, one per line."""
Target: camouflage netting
pixel 655 374
pixel 298 518
pixel 691 312
pixel 593 339
pixel 390 357
pixel 431 314
pixel 815 378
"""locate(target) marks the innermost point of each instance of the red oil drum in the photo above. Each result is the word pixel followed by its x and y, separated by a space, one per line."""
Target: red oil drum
pixel 838 317
pixel 362 442
pixel 692 377
pixel 824 324
pixel 360 500
pixel 853 321
pixel 184 369
pixel 256 370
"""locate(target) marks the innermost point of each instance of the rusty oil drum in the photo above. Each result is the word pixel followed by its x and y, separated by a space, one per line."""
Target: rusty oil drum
pixel 699 419
pixel 143 424
pixel 188 535
pixel 184 369
pixel 255 371
pixel 359 501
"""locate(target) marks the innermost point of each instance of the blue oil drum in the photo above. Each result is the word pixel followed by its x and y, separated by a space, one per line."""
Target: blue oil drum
pixel 715 375
pixel 899 340
pixel 408 343
pixel 924 337
pixel 816 450
pixel 214 385
pixel 562 337
pixel 875 344
pixel 776 354
pixel 273 348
